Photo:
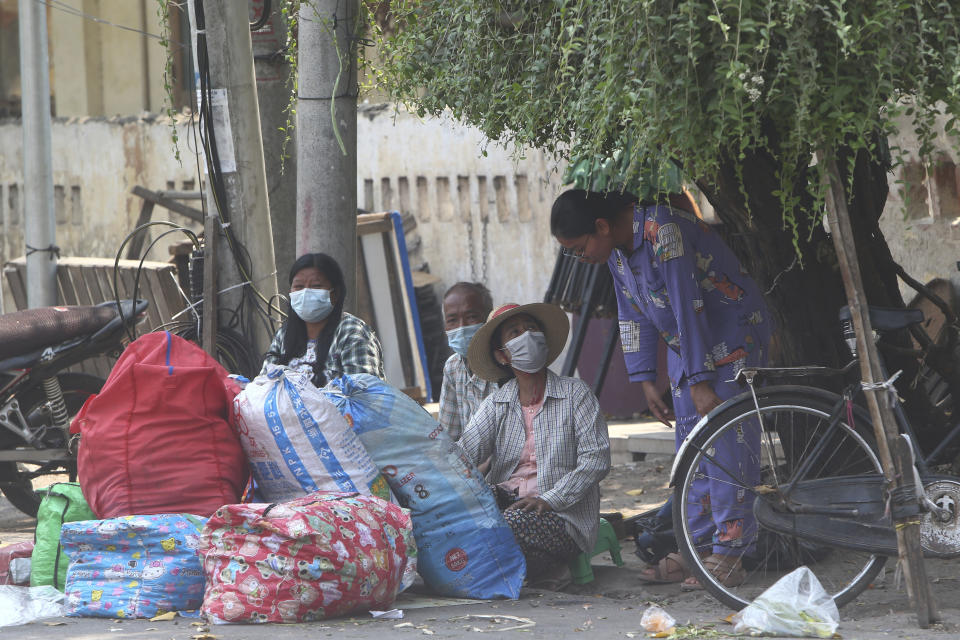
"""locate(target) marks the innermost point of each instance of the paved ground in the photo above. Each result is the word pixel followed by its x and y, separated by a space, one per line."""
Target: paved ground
pixel 608 608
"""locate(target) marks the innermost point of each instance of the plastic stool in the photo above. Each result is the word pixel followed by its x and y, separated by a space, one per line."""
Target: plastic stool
pixel 580 567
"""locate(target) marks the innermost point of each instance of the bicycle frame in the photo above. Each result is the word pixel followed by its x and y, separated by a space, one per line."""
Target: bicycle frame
pixel 850 391
pixel 748 374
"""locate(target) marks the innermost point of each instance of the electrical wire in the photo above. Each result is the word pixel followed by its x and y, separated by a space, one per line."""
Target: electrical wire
pixel 57 5
pixel 262 305
pixel 232 349
pixel 132 331
pixel 136 279
pixel 259 303
pixel 251 297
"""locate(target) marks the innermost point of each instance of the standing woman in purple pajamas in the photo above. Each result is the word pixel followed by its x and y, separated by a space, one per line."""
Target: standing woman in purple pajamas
pixel 677 280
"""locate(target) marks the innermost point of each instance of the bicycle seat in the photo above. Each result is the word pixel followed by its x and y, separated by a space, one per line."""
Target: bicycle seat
pixel 888 318
pixel 25 331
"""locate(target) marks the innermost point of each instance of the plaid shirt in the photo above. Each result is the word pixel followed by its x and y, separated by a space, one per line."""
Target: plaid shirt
pixel 354 349
pixel 572 447
pixel 460 395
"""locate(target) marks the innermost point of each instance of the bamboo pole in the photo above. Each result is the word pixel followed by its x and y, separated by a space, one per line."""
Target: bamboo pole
pixel 894 452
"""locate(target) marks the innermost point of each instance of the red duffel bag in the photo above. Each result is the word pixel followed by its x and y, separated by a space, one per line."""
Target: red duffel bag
pixel 159 438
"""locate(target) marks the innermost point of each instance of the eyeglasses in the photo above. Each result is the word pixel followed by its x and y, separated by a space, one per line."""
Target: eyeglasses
pixel 577 253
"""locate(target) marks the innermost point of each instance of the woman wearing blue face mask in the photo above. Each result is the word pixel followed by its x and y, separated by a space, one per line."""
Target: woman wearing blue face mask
pixel 465 307
pixel 544 435
pixel 319 337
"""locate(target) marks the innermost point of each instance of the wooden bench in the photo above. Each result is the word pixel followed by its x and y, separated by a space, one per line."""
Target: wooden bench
pixel 88 281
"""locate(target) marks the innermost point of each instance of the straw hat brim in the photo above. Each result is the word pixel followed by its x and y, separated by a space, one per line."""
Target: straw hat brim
pixel 555 325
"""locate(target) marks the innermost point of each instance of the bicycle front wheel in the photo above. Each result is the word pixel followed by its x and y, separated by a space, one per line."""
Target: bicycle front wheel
pixel 715 492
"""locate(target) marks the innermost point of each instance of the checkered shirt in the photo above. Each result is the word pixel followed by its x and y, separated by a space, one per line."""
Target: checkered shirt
pixel 460 395
pixel 571 443
pixel 354 349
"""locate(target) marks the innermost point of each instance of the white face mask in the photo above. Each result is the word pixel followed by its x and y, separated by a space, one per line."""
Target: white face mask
pixel 528 351
pixel 313 305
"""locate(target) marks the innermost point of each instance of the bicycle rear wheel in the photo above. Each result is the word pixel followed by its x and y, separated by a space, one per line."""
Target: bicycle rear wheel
pixel 795 436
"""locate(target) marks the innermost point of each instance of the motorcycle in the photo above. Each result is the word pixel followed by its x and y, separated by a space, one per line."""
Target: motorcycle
pixel 38 397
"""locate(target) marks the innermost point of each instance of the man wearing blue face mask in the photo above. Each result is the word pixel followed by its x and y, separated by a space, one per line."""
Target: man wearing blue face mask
pixel 466 306
pixel 319 337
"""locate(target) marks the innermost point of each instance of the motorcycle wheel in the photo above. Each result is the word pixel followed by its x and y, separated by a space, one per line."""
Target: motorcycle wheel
pixel 15 478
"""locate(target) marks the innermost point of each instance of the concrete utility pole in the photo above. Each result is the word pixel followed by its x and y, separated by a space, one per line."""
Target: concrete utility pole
pixel 326 110
pixel 236 122
pixel 273 95
pixel 40 224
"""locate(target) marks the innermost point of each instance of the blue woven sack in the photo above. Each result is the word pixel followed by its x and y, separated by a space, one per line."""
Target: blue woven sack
pixel 464 546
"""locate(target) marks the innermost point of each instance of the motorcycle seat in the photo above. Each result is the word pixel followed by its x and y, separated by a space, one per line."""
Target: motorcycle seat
pixel 23 332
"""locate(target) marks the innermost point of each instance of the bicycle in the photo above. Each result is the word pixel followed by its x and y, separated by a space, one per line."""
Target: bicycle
pixel 822 499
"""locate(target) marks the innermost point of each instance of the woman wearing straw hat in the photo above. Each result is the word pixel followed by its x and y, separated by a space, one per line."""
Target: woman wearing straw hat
pixel 545 437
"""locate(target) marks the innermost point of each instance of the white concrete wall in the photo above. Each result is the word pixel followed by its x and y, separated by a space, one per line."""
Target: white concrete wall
pixel 101 70
pixel 480 218
pixel 96 163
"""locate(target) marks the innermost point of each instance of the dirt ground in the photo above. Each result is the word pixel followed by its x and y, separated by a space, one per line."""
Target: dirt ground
pixel 882 611
pixel 636 487
pixel 609 607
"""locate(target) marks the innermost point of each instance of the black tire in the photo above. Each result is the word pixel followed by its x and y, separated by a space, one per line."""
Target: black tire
pixel 794 419
pixel 15 482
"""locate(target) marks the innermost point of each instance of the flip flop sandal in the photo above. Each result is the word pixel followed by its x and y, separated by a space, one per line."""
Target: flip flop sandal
pixel 726 569
pixel 670 570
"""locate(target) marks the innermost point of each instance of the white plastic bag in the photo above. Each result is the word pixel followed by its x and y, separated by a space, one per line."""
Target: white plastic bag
pixel 656 620
pixel 20 605
pixel 796 605
pixel 20 571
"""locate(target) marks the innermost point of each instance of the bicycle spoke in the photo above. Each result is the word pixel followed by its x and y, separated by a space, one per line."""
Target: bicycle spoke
pixel 796 443
pixel 736 481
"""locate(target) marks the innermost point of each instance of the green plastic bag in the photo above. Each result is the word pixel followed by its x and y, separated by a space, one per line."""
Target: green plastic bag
pixel 64 502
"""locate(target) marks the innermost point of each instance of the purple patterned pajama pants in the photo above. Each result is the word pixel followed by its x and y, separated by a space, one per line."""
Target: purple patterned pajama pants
pixel 720 510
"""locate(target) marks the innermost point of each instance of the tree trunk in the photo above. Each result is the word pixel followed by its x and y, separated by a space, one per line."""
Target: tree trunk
pixel 805 293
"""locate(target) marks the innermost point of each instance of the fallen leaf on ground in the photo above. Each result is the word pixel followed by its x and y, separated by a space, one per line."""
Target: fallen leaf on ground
pixel 55 624
pixel 204 636
pixel 635 492
pixel 524 623
pixel 402 625
pixel 170 615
